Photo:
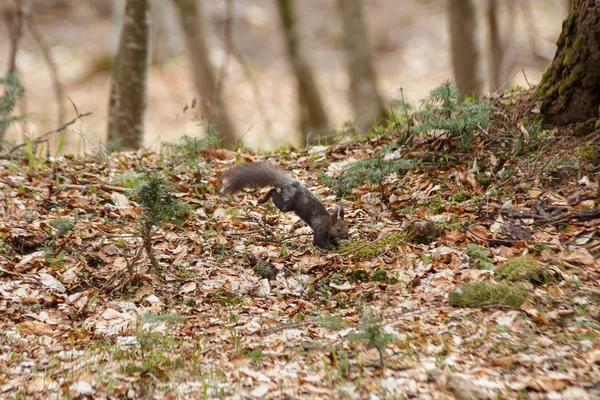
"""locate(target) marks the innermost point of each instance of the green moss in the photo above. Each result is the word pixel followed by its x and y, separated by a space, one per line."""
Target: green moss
pixel 358 275
pixel 525 269
pixel 479 294
pixel 588 152
pixel 376 248
pixel 565 60
pixel 379 276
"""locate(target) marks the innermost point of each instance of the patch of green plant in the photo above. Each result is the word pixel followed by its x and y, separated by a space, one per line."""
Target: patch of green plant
pixel 372 250
pixel 525 269
pixel 256 355
pixel 337 279
pixel 155 195
pixel 371 331
pixel 358 275
pixel 530 137
pixel 153 351
pixel 442 111
pixel 381 275
pixel 331 322
pixel 225 298
pixel 459 197
pixel 13 92
pixel 63 226
pixel 191 151
pixel 373 170
pixel 480 294
pixel 480 256
pixel 401 112
pixel 129 179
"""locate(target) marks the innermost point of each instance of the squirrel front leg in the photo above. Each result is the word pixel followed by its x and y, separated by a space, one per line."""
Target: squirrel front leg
pixel 320 239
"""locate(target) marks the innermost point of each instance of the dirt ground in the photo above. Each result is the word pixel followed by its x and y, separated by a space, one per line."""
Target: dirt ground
pixel 410 51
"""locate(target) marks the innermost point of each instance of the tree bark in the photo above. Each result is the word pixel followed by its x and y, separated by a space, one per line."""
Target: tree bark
pixel 313 118
pixel 14 21
pixel 466 48
pixel 570 88
pixel 166 40
pixel 127 104
pixel 365 97
pixel 496 49
pixel 211 99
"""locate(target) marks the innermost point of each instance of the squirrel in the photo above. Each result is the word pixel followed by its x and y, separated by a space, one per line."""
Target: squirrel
pixel 292 196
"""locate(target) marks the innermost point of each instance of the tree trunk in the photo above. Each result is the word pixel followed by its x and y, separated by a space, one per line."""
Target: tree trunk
pixel 165 38
pixel 365 97
pixel 211 99
pixel 496 50
pixel 467 55
pixel 130 78
pixel 313 119
pixel 570 88
pixel 14 21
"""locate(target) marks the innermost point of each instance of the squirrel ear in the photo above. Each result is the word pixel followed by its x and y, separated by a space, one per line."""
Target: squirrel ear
pixel 341 211
pixel 334 213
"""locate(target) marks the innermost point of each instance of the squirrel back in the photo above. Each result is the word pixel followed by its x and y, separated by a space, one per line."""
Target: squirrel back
pixel 256 174
pixel 293 196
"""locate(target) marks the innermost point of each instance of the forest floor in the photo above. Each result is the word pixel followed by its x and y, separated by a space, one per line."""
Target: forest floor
pixel 244 306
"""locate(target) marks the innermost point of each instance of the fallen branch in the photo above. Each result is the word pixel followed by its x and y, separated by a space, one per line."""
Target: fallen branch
pixel 59 129
pixel 101 186
pixel 582 215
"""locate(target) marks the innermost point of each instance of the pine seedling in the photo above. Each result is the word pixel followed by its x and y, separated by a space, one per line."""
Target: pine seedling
pixel 192 150
pixel 373 170
pixel 442 111
pixel 371 331
pixel 13 92
pixel 159 206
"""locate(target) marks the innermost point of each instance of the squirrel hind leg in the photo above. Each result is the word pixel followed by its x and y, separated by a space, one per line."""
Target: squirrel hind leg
pixel 279 201
pixel 267 197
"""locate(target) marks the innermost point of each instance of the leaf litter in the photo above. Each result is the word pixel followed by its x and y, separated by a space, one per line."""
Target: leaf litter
pixel 245 306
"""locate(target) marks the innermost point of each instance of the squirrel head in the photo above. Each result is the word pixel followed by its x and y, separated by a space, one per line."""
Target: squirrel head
pixel 338 228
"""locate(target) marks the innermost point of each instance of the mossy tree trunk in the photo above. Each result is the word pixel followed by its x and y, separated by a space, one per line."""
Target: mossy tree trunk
pixel 313 118
pixel 211 99
pixel 365 97
pixel 570 88
pixel 130 77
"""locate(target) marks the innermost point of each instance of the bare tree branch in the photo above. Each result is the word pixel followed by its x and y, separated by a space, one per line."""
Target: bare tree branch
pixel 58 88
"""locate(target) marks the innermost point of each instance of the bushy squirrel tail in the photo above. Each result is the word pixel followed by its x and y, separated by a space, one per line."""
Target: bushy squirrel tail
pixel 256 174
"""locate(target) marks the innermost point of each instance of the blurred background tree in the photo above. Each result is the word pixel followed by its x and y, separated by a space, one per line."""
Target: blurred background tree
pixel 127 103
pixel 237 62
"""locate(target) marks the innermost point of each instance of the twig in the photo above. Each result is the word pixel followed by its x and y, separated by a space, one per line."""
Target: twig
pixel 101 186
pixel 489 241
pixel 58 88
pixel 507 81
pixel 526 80
pixel 284 327
pixel 61 128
